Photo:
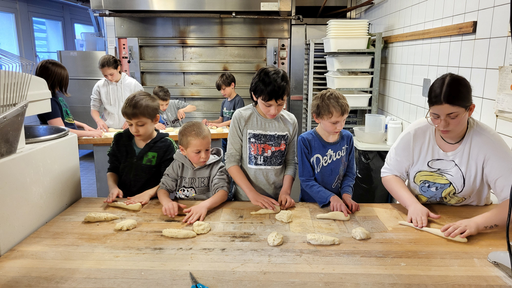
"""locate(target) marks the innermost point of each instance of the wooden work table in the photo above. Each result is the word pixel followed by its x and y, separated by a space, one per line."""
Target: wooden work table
pixel 108 140
pixel 67 252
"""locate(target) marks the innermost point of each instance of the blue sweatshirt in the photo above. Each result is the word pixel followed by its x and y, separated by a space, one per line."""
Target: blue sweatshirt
pixel 325 168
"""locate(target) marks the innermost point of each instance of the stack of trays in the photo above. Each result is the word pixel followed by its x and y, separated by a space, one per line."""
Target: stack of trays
pixel 346 34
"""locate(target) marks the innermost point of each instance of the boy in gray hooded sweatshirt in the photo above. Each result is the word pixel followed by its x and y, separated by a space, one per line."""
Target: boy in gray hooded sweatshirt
pixel 197 173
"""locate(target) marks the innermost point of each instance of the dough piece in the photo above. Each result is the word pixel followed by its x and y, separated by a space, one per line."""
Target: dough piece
pixel 170 129
pixel 179 233
pixel 284 216
pixel 201 227
pixel 360 233
pixel 220 130
pixel 333 215
pixel 319 239
pixel 114 130
pixel 275 239
pixel 434 231
pixel 267 211
pixel 100 217
pixel 213 127
pixel 133 207
pixel 126 225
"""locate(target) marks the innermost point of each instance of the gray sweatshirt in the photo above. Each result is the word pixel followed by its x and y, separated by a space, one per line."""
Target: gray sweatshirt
pixel 170 115
pixel 184 181
pixel 265 149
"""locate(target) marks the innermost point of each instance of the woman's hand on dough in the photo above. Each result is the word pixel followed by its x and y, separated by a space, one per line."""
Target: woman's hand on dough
pixel 464 228
pixel 114 193
pixel 285 201
pixel 171 209
pixel 352 205
pixel 160 126
pixel 102 126
pixel 88 128
pixel 94 133
pixel 338 205
pixel 418 215
pixel 142 198
pixel 195 213
pixel 263 201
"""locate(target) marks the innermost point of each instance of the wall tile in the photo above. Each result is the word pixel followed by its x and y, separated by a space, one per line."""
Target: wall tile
pixel 507 140
pixel 405 17
pixel 471 16
pixel 454 70
pixel 465 72
pixel 480 53
pixel 491 84
pixel 414 15
pixel 419 73
pixel 438 9
pixel 466 53
pixel 405 53
pixel 478 81
pixel 430 10
pixel 508 53
pixel 501 2
pixel 432 73
pixel 428 25
pixel 485 4
pixel 487 116
pixel 417 54
pixel 441 70
pixel 504 127
pixel 399 108
pixel 421 12
pixel 459 7
pixel 407 93
pixel 472 5
pixel 454 55
pixel 412 113
pixel 497 47
pixel 434 54
pixel 409 73
pixel 444 52
pixel 500 24
pixel 447 21
pixel 401 91
pixel 448 8
pixel 478 107
pixel 425 54
pixel 483 29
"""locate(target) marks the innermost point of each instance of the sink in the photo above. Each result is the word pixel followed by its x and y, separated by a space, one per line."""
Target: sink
pixel 41 133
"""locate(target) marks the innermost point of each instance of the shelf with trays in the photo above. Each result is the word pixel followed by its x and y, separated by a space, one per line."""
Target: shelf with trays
pixel 315 80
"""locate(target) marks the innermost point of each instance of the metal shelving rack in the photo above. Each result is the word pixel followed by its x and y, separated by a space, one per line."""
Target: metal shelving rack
pixel 315 80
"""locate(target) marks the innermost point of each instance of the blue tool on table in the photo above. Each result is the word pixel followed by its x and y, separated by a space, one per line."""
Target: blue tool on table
pixel 195 284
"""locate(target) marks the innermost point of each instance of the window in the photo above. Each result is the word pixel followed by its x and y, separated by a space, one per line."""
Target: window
pixel 79 28
pixel 48 38
pixel 8 34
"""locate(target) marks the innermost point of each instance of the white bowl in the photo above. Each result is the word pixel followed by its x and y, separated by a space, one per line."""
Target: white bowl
pixel 369 137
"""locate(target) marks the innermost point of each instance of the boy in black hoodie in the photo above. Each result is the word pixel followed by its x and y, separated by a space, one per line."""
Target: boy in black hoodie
pixel 140 154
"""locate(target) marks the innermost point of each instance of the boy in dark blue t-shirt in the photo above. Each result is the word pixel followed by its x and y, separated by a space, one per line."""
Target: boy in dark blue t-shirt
pixel 327 168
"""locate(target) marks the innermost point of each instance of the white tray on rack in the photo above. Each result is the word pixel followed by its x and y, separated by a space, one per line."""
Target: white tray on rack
pixel 335 62
pixel 332 44
pixel 335 80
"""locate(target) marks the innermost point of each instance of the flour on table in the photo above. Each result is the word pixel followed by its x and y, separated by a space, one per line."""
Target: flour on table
pixel 275 239
pixel 284 216
pixel 201 227
pixel 267 211
pixel 179 233
pixel 133 207
pixel 333 216
pixel 319 239
pixel 360 233
pixel 128 224
pixel 100 217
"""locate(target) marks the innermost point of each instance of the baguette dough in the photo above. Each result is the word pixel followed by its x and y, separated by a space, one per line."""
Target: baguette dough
pixel 128 224
pixel 179 233
pixel 434 231
pixel 275 239
pixel 114 130
pixel 133 207
pixel 333 215
pixel 319 239
pixel 213 127
pixel 170 129
pixel 100 217
pixel 267 211
pixel 201 227
pixel 284 216
pixel 360 233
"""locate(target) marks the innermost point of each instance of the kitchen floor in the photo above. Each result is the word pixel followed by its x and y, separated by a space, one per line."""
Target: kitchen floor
pixel 87 174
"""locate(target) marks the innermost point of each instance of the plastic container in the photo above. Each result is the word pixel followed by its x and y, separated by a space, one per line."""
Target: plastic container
pixel 394 130
pixel 369 137
pixel 357 98
pixel 337 80
pixel 332 44
pixel 348 62
pixel 374 123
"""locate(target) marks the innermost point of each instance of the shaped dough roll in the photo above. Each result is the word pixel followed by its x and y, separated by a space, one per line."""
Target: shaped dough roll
pixel 100 217
pixel 284 216
pixel 319 239
pixel 128 224
pixel 333 216
pixel 267 211
pixel 179 233
pixel 275 239
pixel 133 207
pixel 360 233
pixel 201 227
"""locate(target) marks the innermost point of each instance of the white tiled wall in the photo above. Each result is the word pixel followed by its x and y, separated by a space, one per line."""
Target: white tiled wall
pixel 475 56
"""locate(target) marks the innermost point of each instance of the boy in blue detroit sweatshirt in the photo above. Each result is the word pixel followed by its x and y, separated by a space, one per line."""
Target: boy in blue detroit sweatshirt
pixel 327 168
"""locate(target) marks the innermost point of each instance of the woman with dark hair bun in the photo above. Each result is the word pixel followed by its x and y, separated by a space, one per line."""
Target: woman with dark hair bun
pixel 450 158
pixel 110 94
pixel 57 79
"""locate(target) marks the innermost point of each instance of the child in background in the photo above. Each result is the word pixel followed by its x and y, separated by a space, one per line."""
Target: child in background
pixel 197 173
pixel 226 85
pixel 261 155
pixel 327 167
pixel 171 111
pixel 57 79
pixel 140 154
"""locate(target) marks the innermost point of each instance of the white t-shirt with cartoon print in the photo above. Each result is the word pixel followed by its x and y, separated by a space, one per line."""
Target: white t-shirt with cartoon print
pixel 465 176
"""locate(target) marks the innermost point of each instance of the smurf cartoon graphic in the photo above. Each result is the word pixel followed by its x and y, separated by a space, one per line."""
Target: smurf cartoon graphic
pixel 441 184
pixel 186 192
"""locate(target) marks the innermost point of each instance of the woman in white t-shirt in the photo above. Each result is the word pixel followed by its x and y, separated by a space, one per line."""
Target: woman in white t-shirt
pixel 450 158
pixel 111 93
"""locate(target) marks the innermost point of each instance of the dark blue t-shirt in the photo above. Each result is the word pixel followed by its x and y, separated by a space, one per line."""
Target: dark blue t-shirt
pixel 60 109
pixel 229 107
